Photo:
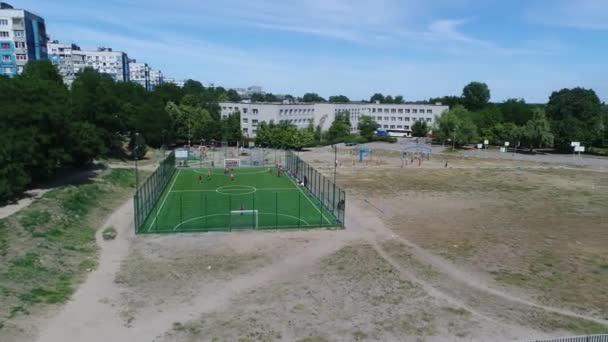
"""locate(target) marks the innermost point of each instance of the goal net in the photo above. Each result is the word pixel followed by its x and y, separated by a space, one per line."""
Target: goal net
pixel 232 163
pixel 244 219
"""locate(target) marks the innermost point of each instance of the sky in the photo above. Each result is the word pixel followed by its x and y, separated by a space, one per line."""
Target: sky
pixel 415 48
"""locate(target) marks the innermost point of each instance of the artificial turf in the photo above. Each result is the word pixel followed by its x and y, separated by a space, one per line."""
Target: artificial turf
pixel 219 203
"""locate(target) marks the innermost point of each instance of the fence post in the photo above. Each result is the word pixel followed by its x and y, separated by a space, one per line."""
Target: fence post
pixel 253 217
pixel 299 208
pixel 181 218
pixel 205 212
pixel 229 212
pixel 320 212
pixel 276 212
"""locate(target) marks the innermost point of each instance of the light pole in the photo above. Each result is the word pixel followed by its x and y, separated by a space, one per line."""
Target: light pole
pixel 335 169
pixel 135 155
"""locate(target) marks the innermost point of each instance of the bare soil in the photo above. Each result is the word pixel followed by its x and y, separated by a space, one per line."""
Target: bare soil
pixel 488 250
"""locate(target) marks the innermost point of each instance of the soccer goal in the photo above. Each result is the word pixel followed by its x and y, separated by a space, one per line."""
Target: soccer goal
pixel 232 163
pixel 244 219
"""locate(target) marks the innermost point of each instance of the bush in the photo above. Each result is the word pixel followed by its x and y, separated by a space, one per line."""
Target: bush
pixel 384 138
pixel 109 233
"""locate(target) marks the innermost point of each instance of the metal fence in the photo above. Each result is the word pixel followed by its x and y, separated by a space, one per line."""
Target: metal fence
pixel 147 194
pixel 588 338
pixel 331 197
pixel 214 157
pixel 226 210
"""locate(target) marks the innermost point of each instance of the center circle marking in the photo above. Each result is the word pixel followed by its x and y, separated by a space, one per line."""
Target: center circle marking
pixel 236 190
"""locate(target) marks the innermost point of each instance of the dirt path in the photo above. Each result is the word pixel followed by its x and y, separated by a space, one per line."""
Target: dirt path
pixel 87 316
pixel 94 313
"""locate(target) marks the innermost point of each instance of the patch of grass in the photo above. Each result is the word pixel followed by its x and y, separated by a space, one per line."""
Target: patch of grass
pixel 47 248
pixel 359 335
pixel 109 233
pixel 124 178
pixel 33 218
pixel 552 322
pixel 3 238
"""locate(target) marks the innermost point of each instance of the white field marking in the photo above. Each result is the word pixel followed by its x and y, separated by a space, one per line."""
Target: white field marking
pixel 165 200
pixel 309 200
pixel 238 173
pixel 212 215
pixel 258 189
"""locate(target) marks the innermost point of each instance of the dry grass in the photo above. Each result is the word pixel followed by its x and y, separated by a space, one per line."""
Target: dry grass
pixel 545 231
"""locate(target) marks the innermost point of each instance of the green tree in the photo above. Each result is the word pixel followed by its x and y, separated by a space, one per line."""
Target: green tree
pixel 537 132
pixel 339 99
pixel 233 96
pixel 476 95
pixel 232 132
pixel 420 129
pixel 269 97
pixel 575 115
pixel 399 99
pixel 456 125
pixel 256 97
pixel 451 101
pixel 340 128
pixel 377 97
pixel 137 146
pixel 516 111
pixel 367 127
pixel 312 97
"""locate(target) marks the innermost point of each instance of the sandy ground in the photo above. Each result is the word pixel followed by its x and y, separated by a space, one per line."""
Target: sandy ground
pixel 380 279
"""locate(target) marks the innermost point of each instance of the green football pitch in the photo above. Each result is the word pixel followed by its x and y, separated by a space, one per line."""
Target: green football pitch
pixel 257 198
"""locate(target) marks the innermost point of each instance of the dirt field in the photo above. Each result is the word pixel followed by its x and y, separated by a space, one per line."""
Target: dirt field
pixel 484 250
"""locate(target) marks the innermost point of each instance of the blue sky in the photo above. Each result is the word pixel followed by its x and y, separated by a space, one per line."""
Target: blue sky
pixel 416 48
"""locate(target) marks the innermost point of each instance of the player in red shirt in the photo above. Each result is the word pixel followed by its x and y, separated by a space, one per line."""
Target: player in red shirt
pixel 200 179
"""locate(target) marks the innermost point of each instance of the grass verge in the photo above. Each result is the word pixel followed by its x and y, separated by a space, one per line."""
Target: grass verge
pixel 47 248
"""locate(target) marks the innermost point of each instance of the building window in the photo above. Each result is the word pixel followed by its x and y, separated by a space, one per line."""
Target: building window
pixel 393 110
pixel 254 122
pixel 428 119
pixel 407 119
pixel 393 118
pixel 20 45
pixel 4 34
pixel 6 58
pixel 385 126
pixel 429 111
pixel 414 111
pixel 399 126
pixel 19 34
pixel 373 110
pixel 393 126
pixel 255 110
pixel 255 131
pixel 244 110
pixel 400 118
pixel 386 110
pixel 245 130
pixel 21 57
pixel 8 70
pixel 386 118
pixel 245 120
pixel 4 22
pixel 406 127
pixel 400 110
pixel 5 46
pixel 407 110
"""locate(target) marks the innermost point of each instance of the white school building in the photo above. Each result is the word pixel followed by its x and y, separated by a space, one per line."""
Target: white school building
pixel 394 118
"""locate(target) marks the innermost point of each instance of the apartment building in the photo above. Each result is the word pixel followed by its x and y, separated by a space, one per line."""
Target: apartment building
pixel 107 61
pixel 140 73
pixel 22 38
pixel 68 59
pixel 156 78
pixel 390 117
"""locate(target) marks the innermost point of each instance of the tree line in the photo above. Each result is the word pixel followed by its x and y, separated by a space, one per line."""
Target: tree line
pixel 47 127
pixel 575 114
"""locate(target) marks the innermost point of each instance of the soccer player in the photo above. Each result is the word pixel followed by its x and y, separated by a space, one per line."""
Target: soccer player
pixel 232 177
pixel 200 179
pixel 209 174
pixel 225 170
